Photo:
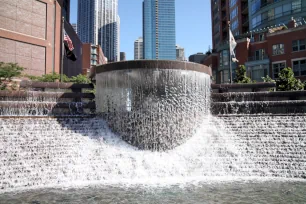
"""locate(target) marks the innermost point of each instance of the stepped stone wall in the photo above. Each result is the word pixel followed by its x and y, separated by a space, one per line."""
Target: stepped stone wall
pixel 275 144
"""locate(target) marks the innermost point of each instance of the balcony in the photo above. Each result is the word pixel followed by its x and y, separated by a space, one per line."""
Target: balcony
pixel 244 9
pixel 223 7
pixel 257 60
pixel 224 29
pixel 224 17
pixel 245 22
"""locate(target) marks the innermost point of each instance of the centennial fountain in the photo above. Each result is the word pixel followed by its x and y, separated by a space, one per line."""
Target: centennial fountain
pixel 154 140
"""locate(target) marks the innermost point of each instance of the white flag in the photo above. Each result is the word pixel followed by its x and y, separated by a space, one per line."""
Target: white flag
pixel 232 45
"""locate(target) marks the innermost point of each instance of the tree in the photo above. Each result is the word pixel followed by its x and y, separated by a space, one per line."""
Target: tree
pixel 241 77
pixel 287 82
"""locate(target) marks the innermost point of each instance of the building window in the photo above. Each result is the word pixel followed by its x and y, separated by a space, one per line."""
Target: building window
pixel 234 25
pixel 224 76
pixel 234 13
pixel 278 49
pixel 259 71
pixel 233 2
pixel 255 6
pixel 296 6
pixel 299 67
pixel 225 57
pixel 298 45
pixel 277 67
pixel 220 60
pixel 256 21
pixel 261 37
pixel 259 54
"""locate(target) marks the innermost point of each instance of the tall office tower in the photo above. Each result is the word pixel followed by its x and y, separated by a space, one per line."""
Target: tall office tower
pixel 99 23
pixel 159 29
pixel 222 11
pixel 271 13
pixel 180 53
pixel 138 49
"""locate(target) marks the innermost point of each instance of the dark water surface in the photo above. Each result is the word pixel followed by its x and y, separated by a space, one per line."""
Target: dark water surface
pixel 260 192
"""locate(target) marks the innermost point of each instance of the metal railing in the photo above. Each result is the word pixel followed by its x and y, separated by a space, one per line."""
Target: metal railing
pixel 256 58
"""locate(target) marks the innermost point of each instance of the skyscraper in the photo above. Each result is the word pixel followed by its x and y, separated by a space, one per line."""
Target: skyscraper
pixel 159 29
pixel 99 23
pixel 138 49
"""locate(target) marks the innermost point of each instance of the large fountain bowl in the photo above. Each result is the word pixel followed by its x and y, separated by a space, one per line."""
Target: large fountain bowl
pixel 153 104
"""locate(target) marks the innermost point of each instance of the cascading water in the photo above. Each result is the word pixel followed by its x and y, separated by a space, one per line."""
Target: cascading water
pixel 40 153
pixel 169 110
pixel 155 109
pixel 36 103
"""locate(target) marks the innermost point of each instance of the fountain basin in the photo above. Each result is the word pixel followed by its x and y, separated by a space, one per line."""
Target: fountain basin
pixel 153 104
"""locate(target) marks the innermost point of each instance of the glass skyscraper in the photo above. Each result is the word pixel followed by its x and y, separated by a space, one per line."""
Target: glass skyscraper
pixel 159 29
pixel 99 24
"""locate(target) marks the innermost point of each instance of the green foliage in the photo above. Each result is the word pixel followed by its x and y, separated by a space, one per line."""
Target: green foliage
pixel 268 79
pixel 53 77
pixel 241 77
pixel 9 70
pixel 304 85
pixel 79 79
pixel 287 82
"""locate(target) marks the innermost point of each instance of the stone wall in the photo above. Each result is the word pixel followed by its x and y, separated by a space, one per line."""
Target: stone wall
pixel 276 145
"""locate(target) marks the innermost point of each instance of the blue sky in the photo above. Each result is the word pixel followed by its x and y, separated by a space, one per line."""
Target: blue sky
pixel 193 24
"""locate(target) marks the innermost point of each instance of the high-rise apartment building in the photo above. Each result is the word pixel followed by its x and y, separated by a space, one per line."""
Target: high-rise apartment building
pixel 223 11
pixel 99 23
pixel 180 53
pixel 138 49
pixel 159 29
pixel 269 13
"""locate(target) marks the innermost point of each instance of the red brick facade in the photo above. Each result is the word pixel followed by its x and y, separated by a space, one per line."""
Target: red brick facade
pixel 249 54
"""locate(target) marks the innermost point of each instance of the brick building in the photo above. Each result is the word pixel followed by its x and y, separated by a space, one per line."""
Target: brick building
pixel 30 34
pixel 92 56
pixel 265 52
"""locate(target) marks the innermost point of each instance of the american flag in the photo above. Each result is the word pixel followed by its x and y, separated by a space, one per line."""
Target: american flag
pixel 69 42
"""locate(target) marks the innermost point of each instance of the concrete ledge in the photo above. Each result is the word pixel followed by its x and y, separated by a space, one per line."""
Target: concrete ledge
pixel 261 86
pixel 152 64
pixel 54 85
pixel 259 96
pixel 25 94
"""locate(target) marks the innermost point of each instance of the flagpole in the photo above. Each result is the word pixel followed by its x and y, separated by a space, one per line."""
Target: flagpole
pixel 230 55
pixel 63 50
